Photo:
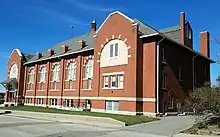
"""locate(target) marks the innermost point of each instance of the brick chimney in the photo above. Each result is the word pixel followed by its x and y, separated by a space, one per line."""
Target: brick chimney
pixel 65 48
pixel 39 55
pixel 82 43
pixel 93 26
pixel 204 44
pixel 182 28
pixel 50 52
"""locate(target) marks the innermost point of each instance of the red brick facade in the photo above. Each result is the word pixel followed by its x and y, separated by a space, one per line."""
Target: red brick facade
pixel 147 81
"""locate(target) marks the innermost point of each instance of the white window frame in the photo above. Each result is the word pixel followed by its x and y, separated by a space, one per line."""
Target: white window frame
pixel 56 73
pixel 89 83
pixel 53 102
pixel 105 80
pixel 115 54
pixel 89 69
pixel 42 72
pixel 113 76
pixel 121 81
pixel 40 101
pixel 113 105
pixel 13 71
pixel 71 71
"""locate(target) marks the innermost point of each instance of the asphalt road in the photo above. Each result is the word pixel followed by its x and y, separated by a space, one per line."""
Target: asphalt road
pixel 11 126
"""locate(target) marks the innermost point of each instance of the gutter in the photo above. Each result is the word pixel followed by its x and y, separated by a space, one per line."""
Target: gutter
pixel 158 74
pixel 58 56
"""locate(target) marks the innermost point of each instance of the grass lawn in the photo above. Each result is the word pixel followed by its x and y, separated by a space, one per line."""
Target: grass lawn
pixel 128 119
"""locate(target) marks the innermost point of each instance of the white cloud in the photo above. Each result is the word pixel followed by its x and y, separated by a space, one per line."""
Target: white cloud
pixel 84 6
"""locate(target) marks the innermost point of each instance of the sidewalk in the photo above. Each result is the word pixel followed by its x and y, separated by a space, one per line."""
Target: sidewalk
pixel 88 120
pixel 189 135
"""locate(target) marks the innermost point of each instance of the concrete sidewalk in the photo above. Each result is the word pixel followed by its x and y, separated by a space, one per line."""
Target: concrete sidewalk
pixel 77 119
pixel 189 135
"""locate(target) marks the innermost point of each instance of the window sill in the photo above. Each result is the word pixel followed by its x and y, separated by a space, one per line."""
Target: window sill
pixel 70 79
pixel 40 90
pixel 43 82
pixel 69 90
pixel 113 88
pixel 54 90
pixel 29 90
pixel 87 78
pixel 54 81
pixel 86 89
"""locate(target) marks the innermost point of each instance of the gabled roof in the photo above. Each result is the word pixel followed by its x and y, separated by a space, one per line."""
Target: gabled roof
pixel 172 32
pixel 73 47
pixel 27 57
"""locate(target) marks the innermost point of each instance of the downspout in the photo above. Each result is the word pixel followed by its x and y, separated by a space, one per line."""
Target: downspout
pixel 158 76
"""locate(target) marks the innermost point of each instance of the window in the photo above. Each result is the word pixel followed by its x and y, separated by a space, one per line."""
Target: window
pixel 112 105
pixel 89 83
pixel 121 81
pixel 31 78
pixel 53 102
pixel 114 50
pixel 113 81
pixel 89 69
pixel 179 73
pixel 188 32
pixel 170 102
pixel 29 100
pixel 13 71
pixel 67 102
pixel 105 81
pixel 56 73
pixel 42 74
pixel 70 84
pixel 72 71
pixel 39 101
pixel 163 81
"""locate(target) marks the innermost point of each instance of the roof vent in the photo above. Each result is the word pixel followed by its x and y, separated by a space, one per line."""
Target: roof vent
pixel 82 43
pixel 65 48
pixel 39 55
pixel 50 52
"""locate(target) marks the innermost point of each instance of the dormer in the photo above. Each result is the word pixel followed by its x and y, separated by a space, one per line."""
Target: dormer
pixel 50 52
pixel 82 43
pixel 65 48
pixel 39 55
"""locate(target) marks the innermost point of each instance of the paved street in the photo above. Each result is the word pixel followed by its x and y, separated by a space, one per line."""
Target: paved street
pixel 11 126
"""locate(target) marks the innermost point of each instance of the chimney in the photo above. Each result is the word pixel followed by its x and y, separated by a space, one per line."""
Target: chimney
pixel 204 44
pixel 50 52
pixel 82 43
pixel 64 48
pixel 93 26
pixel 39 55
pixel 182 28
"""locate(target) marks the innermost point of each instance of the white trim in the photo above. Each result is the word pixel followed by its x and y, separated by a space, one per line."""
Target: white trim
pixel 87 89
pixel 125 40
pixel 129 56
pixel 102 45
pixel 158 47
pixel 41 90
pixel 98 61
pixel 29 90
pixel 106 40
pixel 18 51
pixel 113 36
pixel 128 47
pixel 100 98
pixel 112 73
pixel 112 88
pixel 148 35
pixel 69 90
pixel 119 36
pixel 115 12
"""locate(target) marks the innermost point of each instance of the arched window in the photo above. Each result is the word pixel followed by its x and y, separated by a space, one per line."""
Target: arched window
pixel 89 69
pixel 71 71
pixel 31 78
pixel 42 74
pixel 14 72
pixel 56 73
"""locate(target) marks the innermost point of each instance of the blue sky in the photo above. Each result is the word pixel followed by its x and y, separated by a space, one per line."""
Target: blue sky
pixel 35 25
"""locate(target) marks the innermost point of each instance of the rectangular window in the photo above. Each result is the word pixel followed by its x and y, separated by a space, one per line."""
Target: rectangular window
pixel 89 83
pixel 70 84
pixel 53 102
pixel 121 81
pixel 113 81
pixel 111 50
pixel 163 81
pixel 105 81
pixel 116 49
pixel 112 105
pixel 180 73
pixel 40 101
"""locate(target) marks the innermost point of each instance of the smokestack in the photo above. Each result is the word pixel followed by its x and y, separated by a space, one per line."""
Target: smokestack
pixel 204 43
pixel 182 28
pixel 93 26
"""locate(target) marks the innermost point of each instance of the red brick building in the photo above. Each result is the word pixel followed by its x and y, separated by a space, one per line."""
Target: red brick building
pixel 125 66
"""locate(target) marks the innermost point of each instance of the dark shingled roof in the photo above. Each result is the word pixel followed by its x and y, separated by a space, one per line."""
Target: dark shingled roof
pixel 27 57
pixel 73 47
pixel 172 32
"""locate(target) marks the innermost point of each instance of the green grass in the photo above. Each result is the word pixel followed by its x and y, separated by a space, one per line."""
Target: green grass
pixel 128 119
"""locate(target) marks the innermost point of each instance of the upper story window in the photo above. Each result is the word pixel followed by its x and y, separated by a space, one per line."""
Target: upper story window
pixel 31 76
pixel 113 81
pixel 121 81
pixel 42 74
pixel 89 69
pixel 14 71
pixel 114 50
pixel 56 73
pixel 163 55
pixel 105 81
pixel 188 32
pixel 71 71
